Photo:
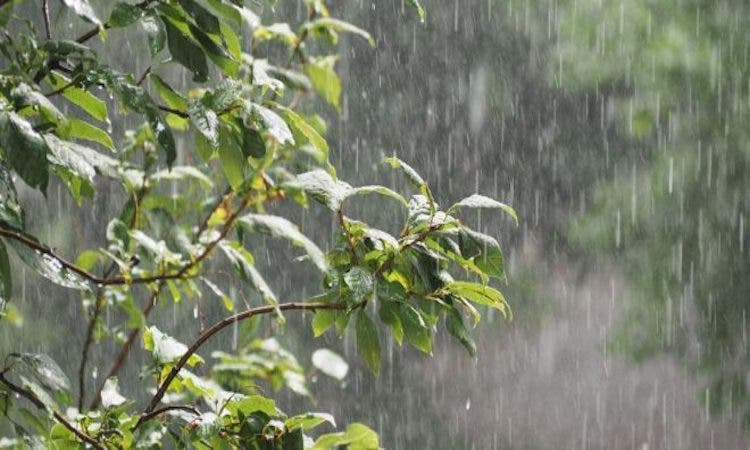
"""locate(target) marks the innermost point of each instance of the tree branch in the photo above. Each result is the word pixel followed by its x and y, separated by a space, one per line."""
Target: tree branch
pixel 28 395
pixel 160 411
pixel 86 345
pixel 94 31
pixel 45 14
pixel 217 327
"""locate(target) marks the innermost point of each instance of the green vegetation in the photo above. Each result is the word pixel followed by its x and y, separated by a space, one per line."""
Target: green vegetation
pixel 206 171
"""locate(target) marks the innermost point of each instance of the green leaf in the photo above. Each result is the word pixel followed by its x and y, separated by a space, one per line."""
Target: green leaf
pixel 330 363
pixel 164 135
pixel 252 143
pixel 252 403
pixel 203 17
pixel 166 349
pixel 388 312
pixel 84 130
pixel 274 124
pixel 329 23
pixel 356 437
pixel 81 160
pixel 322 321
pixel 24 149
pixel 205 120
pixel 185 51
pixel 124 14
pixel 280 227
pixel 410 173
pixel 181 173
pixel 155 31
pixel 49 267
pixel 83 9
pixel 308 421
pixel 302 128
pixel 217 54
pixel 44 369
pixel 381 190
pixel 484 250
pixel 360 281
pixel 455 325
pixel 231 156
pixel 85 100
pixel 481 201
pixel 368 344
pixel 322 187
pixel 415 329
pixel 479 294
pixel 170 97
pixel 324 79
pixel 24 96
pixel 243 263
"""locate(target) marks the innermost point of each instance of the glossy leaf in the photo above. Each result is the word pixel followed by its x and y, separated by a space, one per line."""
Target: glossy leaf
pixel 368 343
pixel 84 130
pixel 455 325
pixel 166 349
pixel 282 228
pixel 324 80
pixel 44 369
pixel 481 201
pixel 479 294
pixel 185 51
pixel 24 149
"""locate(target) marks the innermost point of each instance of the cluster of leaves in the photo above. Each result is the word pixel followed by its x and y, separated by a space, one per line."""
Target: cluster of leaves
pixel 248 145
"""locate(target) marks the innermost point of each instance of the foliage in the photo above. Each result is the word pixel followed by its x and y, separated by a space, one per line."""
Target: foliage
pixel 248 147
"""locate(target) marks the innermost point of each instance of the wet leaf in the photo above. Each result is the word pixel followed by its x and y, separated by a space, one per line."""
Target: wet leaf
pixel 368 343
pixel 24 149
pixel 330 363
pixel 110 395
pixel 280 227
pixel 481 201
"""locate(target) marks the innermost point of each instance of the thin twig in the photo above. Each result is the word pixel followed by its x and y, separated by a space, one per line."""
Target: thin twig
pixel 143 76
pixel 28 395
pixel 99 302
pixel 160 411
pixel 45 14
pixel 217 327
pixel 180 274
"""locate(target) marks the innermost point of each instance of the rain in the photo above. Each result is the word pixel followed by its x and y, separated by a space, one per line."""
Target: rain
pixel 619 133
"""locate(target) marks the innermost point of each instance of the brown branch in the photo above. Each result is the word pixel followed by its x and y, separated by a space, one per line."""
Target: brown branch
pixel 45 14
pixel 28 395
pixel 118 280
pixel 99 302
pixel 160 411
pixel 217 327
